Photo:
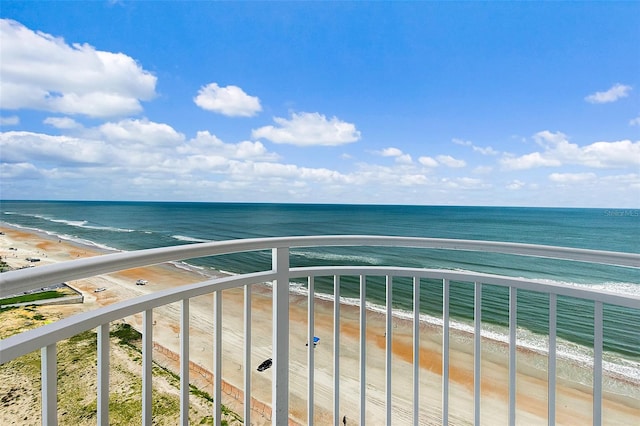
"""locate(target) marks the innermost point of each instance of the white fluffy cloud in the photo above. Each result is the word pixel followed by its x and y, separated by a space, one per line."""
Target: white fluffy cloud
pixel 449 161
pixel 133 147
pixel 428 161
pixel 231 101
pixel 40 71
pixel 62 122
pixel 464 183
pixel 143 131
pixel 53 151
pixel 307 129
pixel 616 92
pixel 571 177
pixel 558 151
pixel 23 170
pixel 515 185
pixel 482 150
pixel 528 161
pixel 399 156
pixel 207 144
pixel 391 152
pixel 635 121
pixel 12 120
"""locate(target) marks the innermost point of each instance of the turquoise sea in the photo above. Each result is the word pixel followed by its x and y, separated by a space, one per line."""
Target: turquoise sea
pixel 141 225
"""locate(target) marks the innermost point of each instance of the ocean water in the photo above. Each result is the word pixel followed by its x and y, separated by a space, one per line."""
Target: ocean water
pixel 141 225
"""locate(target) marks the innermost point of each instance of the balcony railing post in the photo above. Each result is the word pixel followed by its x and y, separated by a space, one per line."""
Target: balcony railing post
pixel 477 351
pixel 553 309
pixel 49 371
pixel 513 367
pixel 310 348
pixel 445 351
pixel 147 366
pixel 416 351
pixel 103 375
pixel 184 363
pixel 336 349
pixel 597 362
pixel 247 354
pixel 280 381
pixel 363 349
pixel 217 358
pixel 388 346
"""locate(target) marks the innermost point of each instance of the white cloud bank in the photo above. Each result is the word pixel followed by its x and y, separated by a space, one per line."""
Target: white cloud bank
pixel 616 92
pixel 558 151
pixel 572 177
pixel 308 129
pixel 45 73
pixel 231 101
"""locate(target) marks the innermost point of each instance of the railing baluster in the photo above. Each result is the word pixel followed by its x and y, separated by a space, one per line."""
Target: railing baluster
pixel 416 351
pixel 597 363
pixel 513 367
pixel 477 351
pixel 445 351
pixel 363 349
pixel 217 357
pixel 49 376
pixel 388 347
pixel 147 365
pixel 247 354
pixel 311 348
pixel 336 349
pixel 553 315
pixel 103 375
pixel 280 374
pixel 184 363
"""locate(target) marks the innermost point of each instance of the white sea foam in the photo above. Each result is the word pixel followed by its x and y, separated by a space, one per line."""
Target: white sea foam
pixel 574 353
pixel 75 223
pixel 190 239
pixel 85 224
pixel 67 237
pixel 625 288
pixel 107 228
pixel 335 257
pixel 205 272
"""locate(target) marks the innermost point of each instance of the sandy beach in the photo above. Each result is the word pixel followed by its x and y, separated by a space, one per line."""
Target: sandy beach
pixel 574 401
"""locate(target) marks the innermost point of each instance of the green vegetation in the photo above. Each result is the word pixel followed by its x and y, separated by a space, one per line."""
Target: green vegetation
pixel 77 379
pixel 42 295
pixel 126 335
pixel 4 266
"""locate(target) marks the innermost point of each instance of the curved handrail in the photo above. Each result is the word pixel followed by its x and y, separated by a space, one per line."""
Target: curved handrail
pixel 31 340
pixel 20 344
pixel 46 337
pixel 28 279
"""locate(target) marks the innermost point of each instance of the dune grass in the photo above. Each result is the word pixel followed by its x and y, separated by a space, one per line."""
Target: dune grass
pixel 77 383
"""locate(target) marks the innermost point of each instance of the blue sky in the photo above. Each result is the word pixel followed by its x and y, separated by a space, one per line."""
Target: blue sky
pixel 442 103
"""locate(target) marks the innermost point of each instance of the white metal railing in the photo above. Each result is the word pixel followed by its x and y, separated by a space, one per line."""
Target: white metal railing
pixel 45 338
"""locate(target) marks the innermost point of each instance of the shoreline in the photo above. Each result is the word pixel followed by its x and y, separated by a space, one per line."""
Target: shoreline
pixel 531 391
